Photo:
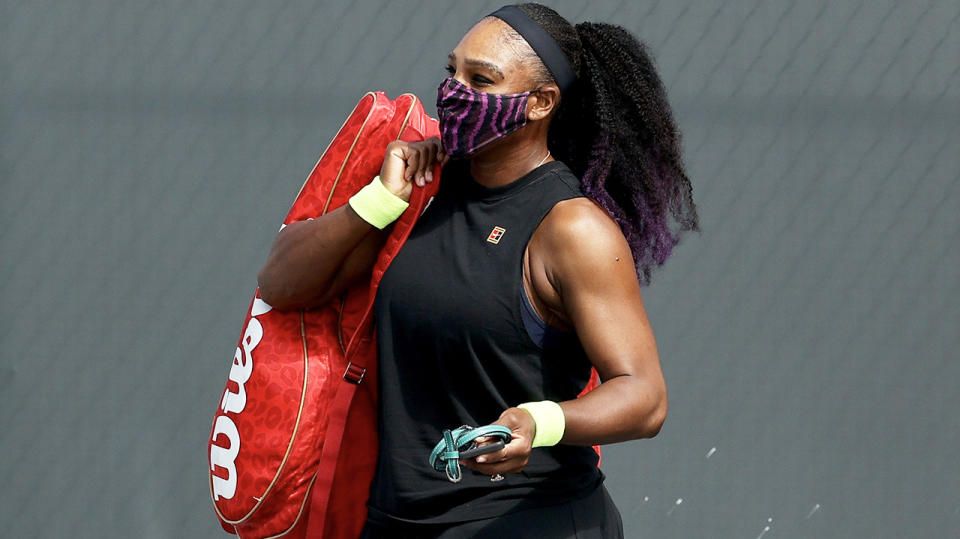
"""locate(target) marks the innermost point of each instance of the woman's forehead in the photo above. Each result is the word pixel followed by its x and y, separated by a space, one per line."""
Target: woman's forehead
pixel 488 42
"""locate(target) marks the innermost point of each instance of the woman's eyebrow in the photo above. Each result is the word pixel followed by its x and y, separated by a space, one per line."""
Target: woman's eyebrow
pixel 478 63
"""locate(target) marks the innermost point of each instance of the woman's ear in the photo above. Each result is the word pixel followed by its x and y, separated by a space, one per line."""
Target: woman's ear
pixel 543 102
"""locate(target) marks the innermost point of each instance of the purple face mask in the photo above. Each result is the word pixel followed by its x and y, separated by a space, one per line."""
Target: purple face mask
pixel 469 119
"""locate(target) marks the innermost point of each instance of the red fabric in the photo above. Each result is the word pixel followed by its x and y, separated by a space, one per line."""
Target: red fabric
pixel 270 429
pixel 277 424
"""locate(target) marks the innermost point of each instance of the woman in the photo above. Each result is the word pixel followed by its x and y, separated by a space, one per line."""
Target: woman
pixel 563 187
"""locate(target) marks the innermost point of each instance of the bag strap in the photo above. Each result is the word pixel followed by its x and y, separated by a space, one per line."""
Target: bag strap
pixel 323 482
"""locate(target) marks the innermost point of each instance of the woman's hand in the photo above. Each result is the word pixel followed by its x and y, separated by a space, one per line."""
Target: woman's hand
pixel 514 456
pixel 407 163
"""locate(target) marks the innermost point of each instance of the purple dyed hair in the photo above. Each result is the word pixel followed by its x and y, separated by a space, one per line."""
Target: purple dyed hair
pixel 615 129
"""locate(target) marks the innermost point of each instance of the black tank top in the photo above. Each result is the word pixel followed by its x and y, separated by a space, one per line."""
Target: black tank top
pixel 454 350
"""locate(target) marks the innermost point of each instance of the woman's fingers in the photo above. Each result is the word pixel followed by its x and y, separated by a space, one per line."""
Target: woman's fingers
pixel 409 163
pixel 511 459
pixel 413 164
pixel 428 163
pixel 430 157
pixel 515 455
pixel 497 462
pixel 493 458
pixel 393 170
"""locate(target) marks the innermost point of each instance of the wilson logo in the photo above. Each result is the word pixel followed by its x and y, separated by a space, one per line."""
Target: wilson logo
pixel 233 402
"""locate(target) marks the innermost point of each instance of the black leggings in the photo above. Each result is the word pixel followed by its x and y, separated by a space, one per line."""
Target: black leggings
pixel 592 517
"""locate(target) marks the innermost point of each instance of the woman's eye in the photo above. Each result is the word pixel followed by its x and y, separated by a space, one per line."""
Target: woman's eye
pixel 450 69
pixel 480 79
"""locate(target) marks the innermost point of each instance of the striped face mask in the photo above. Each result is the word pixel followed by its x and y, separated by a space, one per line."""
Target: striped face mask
pixel 469 119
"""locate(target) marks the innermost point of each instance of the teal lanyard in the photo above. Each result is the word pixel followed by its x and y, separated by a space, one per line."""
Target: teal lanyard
pixel 446 455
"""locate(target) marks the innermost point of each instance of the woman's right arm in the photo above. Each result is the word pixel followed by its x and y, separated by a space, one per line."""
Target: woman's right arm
pixel 307 259
pixel 312 262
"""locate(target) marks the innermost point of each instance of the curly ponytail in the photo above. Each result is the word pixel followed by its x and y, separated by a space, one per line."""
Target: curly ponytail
pixel 615 130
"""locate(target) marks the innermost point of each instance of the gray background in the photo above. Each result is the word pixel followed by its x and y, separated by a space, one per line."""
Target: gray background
pixel 149 151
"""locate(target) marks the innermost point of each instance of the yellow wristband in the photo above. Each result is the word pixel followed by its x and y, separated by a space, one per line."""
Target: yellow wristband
pixel 377 205
pixel 550 422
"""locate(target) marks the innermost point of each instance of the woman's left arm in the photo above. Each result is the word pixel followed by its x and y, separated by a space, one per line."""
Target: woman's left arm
pixel 596 280
pixel 590 267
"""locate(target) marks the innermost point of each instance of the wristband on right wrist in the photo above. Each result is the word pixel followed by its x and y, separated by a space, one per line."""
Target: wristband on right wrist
pixel 377 205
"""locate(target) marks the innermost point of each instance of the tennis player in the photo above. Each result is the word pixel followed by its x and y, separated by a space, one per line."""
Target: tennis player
pixel 563 188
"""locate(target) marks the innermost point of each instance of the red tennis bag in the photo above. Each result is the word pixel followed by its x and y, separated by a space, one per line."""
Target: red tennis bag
pixel 281 457
pixel 293 444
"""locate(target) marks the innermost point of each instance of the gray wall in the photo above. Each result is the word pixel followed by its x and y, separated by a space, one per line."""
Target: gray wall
pixel 149 150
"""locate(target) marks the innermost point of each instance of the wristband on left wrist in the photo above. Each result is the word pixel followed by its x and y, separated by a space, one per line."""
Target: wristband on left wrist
pixel 549 420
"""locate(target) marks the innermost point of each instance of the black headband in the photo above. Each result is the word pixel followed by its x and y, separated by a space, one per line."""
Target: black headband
pixel 540 41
